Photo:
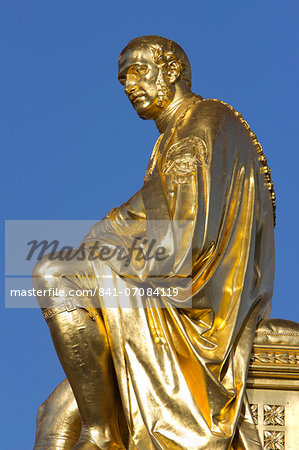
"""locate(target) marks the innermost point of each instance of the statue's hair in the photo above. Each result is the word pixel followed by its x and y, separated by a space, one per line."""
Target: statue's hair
pixel 164 52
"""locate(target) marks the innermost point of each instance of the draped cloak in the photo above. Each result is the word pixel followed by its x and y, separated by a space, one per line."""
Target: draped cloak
pixel 181 360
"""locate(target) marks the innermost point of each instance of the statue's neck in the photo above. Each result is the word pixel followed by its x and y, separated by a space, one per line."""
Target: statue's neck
pixel 165 117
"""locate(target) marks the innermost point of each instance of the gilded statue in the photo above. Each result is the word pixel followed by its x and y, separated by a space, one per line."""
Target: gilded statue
pixel 164 365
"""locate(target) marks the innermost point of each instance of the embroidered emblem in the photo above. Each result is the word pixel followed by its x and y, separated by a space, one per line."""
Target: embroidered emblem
pixel 183 157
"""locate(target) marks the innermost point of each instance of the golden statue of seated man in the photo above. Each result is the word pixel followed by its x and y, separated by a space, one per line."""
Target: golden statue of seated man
pixel 162 363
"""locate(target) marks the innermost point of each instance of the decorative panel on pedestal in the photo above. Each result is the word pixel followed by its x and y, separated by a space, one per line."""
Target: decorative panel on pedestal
pixel 273 384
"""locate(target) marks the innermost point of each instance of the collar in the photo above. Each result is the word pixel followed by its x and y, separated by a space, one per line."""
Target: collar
pixel 165 117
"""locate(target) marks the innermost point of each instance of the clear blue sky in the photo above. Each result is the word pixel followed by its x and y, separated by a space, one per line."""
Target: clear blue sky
pixel 73 148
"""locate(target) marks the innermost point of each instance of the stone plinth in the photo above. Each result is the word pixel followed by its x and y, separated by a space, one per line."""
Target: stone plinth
pixel 273 384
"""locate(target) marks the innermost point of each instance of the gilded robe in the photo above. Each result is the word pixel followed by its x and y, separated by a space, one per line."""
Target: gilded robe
pixel 181 361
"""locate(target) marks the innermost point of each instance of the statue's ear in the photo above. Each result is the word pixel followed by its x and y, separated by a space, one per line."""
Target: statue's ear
pixel 173 71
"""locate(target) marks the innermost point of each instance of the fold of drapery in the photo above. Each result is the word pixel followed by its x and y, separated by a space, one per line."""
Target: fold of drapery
pixel 181 360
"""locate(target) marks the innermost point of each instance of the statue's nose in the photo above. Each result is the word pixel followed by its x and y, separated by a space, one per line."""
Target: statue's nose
pixel 130 84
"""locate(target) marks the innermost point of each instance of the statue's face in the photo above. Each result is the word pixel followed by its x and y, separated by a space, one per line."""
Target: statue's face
pixel 145 84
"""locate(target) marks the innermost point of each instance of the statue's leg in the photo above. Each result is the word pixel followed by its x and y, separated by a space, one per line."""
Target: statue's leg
pixel 80 340
pixel 58 422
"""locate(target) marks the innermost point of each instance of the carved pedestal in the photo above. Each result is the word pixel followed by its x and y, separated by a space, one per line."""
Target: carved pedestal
pixel 272 389
pixel 273 384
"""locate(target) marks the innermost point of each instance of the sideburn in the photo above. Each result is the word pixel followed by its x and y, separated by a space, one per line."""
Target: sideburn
pixel 164 92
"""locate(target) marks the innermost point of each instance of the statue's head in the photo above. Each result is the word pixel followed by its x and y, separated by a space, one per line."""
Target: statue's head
pixel 153 69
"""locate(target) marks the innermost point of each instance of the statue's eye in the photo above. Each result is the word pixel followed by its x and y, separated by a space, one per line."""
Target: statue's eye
pixel 140 70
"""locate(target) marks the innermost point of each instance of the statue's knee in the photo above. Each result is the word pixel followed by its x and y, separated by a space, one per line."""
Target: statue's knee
pixel 47 272
pixel 58 423
pixel 41 412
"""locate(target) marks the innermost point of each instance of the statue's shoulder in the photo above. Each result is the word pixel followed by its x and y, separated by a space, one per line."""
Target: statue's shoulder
pixel 213 109
pixel 209 115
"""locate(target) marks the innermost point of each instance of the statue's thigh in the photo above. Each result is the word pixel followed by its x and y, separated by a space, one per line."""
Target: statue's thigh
pixel 68 279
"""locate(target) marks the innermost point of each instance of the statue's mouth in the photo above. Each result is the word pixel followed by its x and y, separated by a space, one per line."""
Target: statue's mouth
pixel 136 96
